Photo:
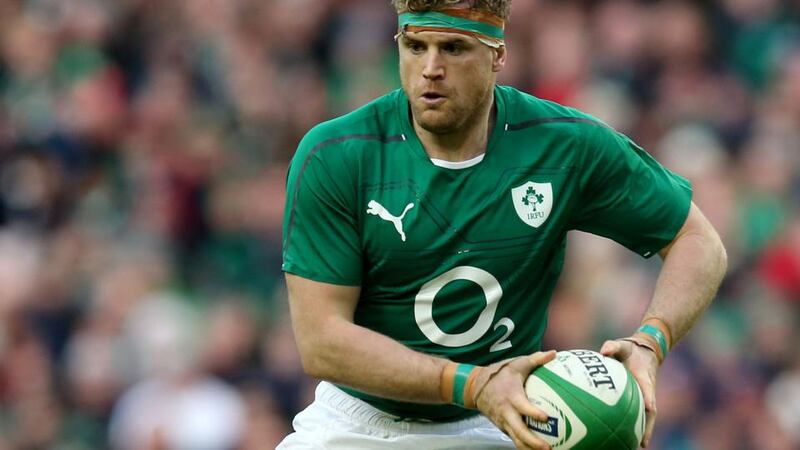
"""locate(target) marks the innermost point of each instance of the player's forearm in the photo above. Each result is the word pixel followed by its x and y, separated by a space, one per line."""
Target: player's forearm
pixel 370 362
pixel 694 266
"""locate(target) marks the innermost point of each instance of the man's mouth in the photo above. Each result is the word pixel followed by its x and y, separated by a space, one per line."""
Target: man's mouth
pixel 432 97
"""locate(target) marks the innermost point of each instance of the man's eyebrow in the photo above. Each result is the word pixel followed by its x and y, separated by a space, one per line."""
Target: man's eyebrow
pixel 409 40
pixel 461 40
pixel 454 40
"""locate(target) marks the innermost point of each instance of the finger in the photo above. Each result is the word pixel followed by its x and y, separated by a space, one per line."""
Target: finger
pixel 526 364
pixel 517 443
pixel 609 348
pixel 506 429
pixel 650 423
pixel 647 386
pixel 540 358
pixel 525 407
pixel 520 430
pixel 619 350
pixel 648 429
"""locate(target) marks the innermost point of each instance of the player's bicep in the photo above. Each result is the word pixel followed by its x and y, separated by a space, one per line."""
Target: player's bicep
pixel 696 224
pixel 313 300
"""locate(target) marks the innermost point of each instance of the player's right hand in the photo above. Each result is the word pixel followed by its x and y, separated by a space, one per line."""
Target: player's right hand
pixel 499 394
pixel 643 365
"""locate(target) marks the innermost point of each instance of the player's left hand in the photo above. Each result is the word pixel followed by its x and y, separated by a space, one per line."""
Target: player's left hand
pixel 500 396
pixel 643 364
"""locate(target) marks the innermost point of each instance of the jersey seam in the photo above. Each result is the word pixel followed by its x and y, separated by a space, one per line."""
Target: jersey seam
pixel 542 121
pixel 307 159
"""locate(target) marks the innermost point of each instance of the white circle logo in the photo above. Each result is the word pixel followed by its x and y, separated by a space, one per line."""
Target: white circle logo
pixel 423 306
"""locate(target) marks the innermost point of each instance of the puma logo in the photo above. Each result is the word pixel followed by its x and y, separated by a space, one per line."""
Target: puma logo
pixel 376 209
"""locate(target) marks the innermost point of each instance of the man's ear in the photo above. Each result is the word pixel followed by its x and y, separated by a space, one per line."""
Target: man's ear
pixel 499 62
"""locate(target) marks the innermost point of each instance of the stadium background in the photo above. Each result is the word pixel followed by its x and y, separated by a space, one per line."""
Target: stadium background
pixel 143 150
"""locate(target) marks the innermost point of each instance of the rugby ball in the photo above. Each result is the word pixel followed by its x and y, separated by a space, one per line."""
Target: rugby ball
pixel 593 403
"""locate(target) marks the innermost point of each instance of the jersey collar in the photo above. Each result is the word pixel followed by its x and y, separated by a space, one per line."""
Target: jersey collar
pixel 411 138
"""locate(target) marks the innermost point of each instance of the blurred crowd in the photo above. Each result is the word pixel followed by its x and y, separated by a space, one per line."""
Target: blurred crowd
pixel 143 152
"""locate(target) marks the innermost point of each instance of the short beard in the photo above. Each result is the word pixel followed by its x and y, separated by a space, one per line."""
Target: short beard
pixel 455 119
pixel 442 125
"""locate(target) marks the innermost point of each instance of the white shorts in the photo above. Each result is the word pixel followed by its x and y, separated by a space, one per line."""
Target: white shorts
pixel 337 420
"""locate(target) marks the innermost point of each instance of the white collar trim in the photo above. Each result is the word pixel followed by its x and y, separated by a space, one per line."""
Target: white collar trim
pixel 458 164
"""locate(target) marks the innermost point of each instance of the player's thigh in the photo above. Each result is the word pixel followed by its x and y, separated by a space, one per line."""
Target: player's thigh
pixel 336 421
pixel 316 428
pixel 477 433
pixel 310 427
pixel 349 440
pixel 320 427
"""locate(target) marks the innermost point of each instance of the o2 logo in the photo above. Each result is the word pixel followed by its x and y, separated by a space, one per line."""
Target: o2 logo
pixel 423 309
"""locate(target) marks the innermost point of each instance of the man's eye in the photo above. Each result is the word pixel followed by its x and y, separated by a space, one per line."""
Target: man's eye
pixel 452 48
pixel 415 47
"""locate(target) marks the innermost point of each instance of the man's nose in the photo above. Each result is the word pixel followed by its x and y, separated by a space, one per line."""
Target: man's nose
pixel 434 66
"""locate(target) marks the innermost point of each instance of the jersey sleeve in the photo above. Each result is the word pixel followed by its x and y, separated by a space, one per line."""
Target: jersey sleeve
pixel 627 196
pixel 320 225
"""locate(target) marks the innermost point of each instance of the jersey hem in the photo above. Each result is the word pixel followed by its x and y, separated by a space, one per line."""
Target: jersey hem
pixel 375 402
pixel 294 270
pixel 679 223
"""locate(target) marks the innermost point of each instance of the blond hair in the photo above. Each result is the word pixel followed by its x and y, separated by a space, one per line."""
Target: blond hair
pixel 501 8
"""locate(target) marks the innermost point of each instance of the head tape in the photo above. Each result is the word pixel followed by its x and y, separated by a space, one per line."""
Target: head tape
pixel 484 26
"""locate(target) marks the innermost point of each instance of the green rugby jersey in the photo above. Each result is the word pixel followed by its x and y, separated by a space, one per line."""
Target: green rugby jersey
pixel 461 263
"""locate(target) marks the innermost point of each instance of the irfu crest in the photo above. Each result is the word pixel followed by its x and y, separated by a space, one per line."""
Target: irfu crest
pixel 532 198
pixel 533 202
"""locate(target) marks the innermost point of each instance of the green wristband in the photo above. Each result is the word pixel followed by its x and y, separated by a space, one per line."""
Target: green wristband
pixel 658 335
pixel 460 382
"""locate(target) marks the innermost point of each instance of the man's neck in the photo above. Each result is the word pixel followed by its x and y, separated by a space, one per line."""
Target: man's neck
pixel 466 143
